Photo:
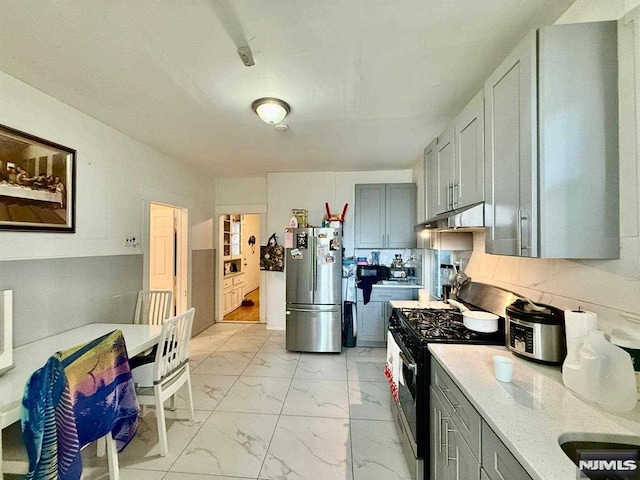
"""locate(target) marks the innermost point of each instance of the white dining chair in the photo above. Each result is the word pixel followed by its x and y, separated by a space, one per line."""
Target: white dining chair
pixel 158 381
pixel 152 307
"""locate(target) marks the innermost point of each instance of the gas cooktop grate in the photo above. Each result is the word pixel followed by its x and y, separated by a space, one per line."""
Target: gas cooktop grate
pixel 436 324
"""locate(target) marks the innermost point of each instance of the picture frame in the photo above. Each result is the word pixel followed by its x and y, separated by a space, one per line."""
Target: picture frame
pixel 37 183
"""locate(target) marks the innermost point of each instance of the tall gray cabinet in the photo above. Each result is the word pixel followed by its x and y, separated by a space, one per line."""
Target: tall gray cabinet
pixel 551 145
pixel 385 215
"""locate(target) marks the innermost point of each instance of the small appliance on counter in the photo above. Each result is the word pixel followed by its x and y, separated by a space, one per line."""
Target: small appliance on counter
pixel 536 332
pixel 377 272
pixel 397 273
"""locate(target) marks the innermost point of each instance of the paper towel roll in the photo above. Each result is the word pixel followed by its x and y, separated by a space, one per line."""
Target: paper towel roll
pixel 578 324
pixel 423 297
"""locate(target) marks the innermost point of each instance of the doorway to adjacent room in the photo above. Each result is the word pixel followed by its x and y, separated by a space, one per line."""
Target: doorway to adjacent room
pixel 240 258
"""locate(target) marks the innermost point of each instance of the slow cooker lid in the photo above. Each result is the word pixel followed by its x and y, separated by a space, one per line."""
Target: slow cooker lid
pixel 521 310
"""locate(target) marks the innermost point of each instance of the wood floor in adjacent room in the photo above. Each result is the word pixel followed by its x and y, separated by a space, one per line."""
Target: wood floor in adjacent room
pixel 246 313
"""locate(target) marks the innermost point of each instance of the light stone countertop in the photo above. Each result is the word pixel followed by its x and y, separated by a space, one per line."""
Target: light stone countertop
pixel 393 285
pixel 417 304
pixel 532 411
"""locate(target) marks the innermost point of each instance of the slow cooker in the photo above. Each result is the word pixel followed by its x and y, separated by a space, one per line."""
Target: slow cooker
pixel 536 332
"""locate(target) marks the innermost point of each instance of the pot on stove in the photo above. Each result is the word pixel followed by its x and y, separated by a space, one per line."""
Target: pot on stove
pixel 478 321
pixel 536 332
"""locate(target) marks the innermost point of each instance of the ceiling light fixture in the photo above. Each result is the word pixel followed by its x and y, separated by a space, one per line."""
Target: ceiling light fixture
pixel 271 110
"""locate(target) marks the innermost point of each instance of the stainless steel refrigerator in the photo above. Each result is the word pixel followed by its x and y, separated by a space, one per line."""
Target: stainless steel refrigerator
pixel 314 290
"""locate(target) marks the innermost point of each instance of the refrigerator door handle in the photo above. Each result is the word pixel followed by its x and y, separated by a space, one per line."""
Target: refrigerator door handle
pixel 314 266
pixel 288 312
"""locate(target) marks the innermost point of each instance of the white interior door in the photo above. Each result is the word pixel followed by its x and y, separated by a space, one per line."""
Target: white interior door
pixel 162 249
pixel 251 252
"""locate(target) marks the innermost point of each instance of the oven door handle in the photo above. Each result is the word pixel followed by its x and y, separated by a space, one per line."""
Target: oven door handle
pixel 411 364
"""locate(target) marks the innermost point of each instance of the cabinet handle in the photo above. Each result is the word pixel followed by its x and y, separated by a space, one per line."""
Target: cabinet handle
pixel 522 216
pixel 388 243
pixel 382 240
pixel 441 418
pixel 453 407
pixel 450 196
pixel 446 441
pixel 456 187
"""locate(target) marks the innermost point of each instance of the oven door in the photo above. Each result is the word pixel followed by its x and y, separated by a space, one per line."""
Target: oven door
pixel 407 393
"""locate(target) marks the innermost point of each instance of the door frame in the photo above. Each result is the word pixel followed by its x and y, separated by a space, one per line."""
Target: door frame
pixel 254 209
pixel 183 252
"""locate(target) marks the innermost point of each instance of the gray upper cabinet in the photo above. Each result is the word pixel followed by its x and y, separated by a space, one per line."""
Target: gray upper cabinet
pixel 385 215
pixel 551 148
pixel 431 178
pixel 445 154
pixel 370 214
pixel 454 162
pixel 468 186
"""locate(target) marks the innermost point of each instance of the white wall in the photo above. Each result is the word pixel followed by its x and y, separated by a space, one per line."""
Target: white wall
pixel 241 191
pixel 62 280
pixel 611 288
pixel 114 175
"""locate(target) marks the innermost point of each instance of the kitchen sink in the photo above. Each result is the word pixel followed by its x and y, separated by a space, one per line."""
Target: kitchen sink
pixel 572 443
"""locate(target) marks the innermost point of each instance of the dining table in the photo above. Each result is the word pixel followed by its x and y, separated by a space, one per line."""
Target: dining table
pixel 30 357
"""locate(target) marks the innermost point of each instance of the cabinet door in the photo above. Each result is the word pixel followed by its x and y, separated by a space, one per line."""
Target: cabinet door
pixel 463 465
pixel 370 229
pixel 236 236
pixel 510 154
pixel 468 178
pixel 437 417
pixel 240 289
pixel 498 462
pixel 227 301
pixel 234 298
pixel 400 215
pixel 431 178
pixel 445 154
pixel 370 323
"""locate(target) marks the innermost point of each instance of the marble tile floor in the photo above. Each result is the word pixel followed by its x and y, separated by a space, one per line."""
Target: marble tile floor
pixel 264 413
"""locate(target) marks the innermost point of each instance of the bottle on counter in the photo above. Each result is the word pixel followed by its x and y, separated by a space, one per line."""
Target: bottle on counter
pixel 410 265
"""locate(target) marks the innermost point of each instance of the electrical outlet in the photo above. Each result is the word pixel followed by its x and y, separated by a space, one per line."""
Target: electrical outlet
pixel 129 241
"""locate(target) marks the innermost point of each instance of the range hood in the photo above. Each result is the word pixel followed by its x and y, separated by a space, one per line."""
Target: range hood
pixel 468 218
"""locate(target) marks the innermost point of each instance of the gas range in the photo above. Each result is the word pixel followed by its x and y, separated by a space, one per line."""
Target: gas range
pixel 412 330
pixel 419 326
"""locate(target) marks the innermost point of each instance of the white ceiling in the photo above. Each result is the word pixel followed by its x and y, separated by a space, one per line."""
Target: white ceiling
pixel 369 82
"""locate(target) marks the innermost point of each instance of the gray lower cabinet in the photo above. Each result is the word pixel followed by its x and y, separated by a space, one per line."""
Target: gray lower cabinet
pixel 371 324
pixel 372 319
pixel 455 444
pixel 498 462
pixel 463 446
pixel 451 457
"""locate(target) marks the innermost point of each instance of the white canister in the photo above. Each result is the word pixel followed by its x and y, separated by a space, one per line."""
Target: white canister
pixel 423 298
